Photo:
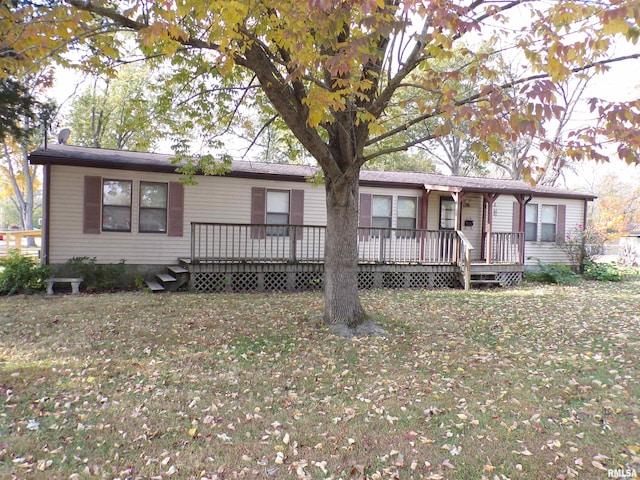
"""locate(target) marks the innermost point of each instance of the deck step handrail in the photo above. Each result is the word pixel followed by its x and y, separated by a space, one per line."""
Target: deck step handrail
pixel 232 242
pixel 464 259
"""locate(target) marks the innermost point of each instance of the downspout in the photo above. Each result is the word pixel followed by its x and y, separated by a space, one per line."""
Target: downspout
pixel 46 210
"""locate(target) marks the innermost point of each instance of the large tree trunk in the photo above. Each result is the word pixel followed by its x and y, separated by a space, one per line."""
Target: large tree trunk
pixel 343 310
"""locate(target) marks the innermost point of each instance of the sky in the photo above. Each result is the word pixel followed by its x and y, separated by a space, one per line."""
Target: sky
pixel 621 82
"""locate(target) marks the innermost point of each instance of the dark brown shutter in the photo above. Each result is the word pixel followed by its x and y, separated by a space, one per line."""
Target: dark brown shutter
pixel 175 213
pixel 297 211
pixel 92 204
pixel 424 206
pixel 418 212
pixel 364 218
pixel 516 218
pixel 258 211
pixel 561 223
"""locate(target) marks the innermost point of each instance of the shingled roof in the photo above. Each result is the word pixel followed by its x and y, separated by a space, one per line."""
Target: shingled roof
pixel 156 162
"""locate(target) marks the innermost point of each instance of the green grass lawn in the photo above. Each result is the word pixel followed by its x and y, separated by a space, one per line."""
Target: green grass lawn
pixel 537 382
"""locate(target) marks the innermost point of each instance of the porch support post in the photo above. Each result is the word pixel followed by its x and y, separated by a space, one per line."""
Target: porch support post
pixel 458 197
pixel 489 199
pixel 522 201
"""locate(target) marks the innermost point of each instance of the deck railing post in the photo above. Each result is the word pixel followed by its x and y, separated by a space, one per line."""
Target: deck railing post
pixel 293 241
pixel 193 241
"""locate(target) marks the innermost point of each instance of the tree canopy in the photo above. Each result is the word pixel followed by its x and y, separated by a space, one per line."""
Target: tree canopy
pixel 354 80
pixel 117 113
pixel 16 105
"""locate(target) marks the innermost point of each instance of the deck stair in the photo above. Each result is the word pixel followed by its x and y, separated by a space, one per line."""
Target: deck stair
pixel 483 276
pixel 169 281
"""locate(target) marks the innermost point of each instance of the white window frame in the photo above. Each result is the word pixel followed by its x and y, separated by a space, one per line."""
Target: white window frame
pixel 279 231
pixel 114 207
pixel 407 231
pixel 142 208
pixel 544 236
pixel 528 207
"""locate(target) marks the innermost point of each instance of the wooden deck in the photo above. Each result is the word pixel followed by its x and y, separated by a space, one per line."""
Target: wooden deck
pixel 19 240
pixel 239 258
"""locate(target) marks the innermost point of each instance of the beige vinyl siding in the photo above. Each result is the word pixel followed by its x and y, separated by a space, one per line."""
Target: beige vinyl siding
pixel 228 200
pixel 472 210
pixel 215 199
pixel 546 252
pixel 503 214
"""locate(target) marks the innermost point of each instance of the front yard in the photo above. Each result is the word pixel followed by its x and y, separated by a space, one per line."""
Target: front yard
pixel 522 383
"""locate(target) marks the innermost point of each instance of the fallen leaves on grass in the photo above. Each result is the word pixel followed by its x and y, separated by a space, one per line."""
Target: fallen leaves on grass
pixel 532 382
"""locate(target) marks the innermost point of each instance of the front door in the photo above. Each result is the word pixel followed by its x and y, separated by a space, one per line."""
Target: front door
pixel 447 213
pixel 447 223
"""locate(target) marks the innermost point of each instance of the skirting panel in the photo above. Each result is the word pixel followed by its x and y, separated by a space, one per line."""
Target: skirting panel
pixel 509 279
pixel 288 278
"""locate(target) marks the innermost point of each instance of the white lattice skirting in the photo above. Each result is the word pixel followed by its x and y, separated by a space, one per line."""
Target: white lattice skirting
pixel 309 280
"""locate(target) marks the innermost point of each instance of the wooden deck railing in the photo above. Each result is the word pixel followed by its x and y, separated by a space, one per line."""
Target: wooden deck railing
pixel 227 242
pixel 230 242
pixel 505 247
pixel 19 240
pixel 392 245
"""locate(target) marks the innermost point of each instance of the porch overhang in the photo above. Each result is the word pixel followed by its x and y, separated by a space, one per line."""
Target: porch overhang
pixel 477 189
pixel 490 186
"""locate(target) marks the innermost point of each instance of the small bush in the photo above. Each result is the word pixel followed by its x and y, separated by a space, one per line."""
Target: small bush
pixel 21 274
pixel 552 273
pixel 604 272
pixel 96 277
pixel 581 246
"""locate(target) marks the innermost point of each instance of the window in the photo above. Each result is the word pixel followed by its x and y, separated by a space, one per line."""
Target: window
pixel 381 214
pixel 407 216
pixel 447 214
pixel 531 223
pixel 549 219
pixel 116 205
pixel 276 207
pixel 277 212
pixel 153 207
